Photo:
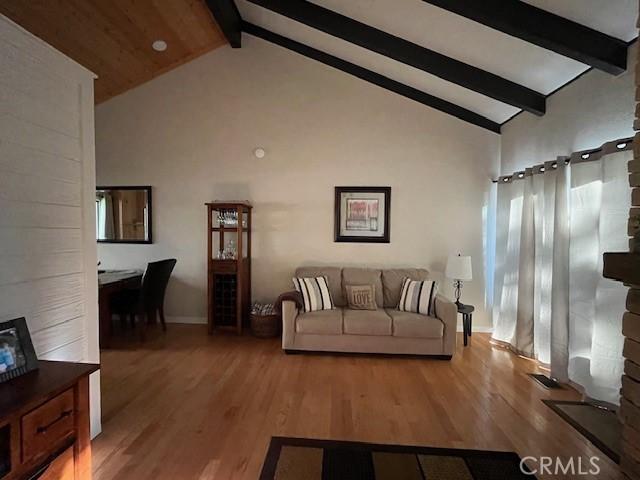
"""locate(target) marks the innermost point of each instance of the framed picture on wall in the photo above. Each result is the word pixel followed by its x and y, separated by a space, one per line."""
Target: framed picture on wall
pixel 362 214
pixel 17 355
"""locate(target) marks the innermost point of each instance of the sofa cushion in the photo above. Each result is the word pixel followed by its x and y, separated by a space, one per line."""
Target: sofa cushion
pixel 364 276
pixel 367 322
pixel 321 322
pixel 334 278
pixel 415 325
pixel 392 283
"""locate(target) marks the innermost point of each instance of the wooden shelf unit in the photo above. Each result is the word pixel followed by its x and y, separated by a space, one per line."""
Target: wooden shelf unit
pixel 228 280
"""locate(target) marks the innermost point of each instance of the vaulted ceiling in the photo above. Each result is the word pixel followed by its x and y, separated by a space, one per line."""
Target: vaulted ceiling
pixel 113 38
pixel 482 61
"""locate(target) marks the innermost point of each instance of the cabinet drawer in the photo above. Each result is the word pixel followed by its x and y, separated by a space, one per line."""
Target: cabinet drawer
pixel 44 427
pixel 62 468
pixel 224 266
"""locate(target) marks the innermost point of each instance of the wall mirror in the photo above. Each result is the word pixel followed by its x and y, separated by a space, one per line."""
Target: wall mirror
pixel 123 214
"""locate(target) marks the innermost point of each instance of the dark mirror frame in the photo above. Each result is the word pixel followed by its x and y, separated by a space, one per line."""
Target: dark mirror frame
pixel 146 188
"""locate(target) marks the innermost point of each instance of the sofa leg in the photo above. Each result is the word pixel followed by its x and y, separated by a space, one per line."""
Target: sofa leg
pixel 443 357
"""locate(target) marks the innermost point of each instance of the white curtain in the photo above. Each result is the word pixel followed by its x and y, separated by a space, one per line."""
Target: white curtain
pixel 105 220
pixel 553 223
pixel 600 202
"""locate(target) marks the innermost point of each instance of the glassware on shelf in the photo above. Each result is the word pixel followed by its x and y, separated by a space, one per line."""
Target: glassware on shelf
pixel 230 251
pixel 229 218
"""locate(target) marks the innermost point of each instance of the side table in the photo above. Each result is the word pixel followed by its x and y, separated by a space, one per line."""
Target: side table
pixel 467 314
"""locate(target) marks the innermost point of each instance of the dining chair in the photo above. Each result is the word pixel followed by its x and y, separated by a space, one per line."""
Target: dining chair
pixel 147 302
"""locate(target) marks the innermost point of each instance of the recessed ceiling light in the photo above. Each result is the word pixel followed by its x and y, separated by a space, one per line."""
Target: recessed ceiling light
pixel 159 45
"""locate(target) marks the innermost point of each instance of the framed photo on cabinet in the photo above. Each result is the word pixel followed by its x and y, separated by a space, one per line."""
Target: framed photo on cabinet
pixel 17 355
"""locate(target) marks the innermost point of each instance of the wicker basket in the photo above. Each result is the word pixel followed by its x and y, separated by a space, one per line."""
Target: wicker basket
pixel 265 326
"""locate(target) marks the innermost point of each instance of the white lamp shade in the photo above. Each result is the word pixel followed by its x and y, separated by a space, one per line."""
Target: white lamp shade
pixel 459 268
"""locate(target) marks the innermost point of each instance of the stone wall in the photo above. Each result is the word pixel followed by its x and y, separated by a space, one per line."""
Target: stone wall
pixel 630 403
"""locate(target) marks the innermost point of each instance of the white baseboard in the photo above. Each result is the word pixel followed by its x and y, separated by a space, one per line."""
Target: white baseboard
pixel 478 329
pixel 188 320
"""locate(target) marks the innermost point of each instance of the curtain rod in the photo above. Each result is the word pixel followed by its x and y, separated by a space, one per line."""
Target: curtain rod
pixel 590 155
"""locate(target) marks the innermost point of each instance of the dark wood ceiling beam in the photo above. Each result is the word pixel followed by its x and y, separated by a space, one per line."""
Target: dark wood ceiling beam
pixel 372 77
pixel 545 29
pixel 408 53
pixel 228 18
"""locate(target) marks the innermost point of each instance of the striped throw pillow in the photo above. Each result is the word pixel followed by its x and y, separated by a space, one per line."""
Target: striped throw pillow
pixel 418 296
pixel 315 293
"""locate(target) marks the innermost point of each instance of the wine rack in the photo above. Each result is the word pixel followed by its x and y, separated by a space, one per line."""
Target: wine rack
pixel 224 304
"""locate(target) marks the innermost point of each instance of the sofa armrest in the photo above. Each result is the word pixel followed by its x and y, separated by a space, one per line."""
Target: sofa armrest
pixel 289 315
pixel 447 312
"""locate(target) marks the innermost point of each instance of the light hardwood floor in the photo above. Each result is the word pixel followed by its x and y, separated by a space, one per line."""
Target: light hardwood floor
pixel 188 406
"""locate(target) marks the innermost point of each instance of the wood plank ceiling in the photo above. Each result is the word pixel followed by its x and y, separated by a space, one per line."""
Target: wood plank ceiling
pixel 113 38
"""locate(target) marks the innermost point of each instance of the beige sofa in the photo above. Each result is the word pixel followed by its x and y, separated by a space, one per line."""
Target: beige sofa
pixel 385 330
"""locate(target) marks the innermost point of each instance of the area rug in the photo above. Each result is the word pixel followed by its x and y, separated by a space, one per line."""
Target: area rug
pixel 310 459
pixel 599 425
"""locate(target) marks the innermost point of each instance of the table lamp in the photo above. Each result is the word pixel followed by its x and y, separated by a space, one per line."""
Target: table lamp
pixel 459 270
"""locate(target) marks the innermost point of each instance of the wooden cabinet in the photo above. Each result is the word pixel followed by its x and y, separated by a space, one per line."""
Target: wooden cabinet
pixel 228 276
pixel 44 423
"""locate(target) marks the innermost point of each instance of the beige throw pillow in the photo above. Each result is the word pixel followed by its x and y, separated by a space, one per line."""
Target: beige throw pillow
pixel 361 297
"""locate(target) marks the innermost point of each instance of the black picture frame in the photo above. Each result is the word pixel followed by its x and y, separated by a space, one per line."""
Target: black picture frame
pixel 146 188
pixel 386 236
pixel 17 328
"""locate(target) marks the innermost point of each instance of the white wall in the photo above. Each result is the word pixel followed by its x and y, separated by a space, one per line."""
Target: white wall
pixel 47 178
pixel 594 109
pixel 191 134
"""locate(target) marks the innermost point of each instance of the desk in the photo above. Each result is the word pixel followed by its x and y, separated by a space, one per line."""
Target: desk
pixel 110 282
